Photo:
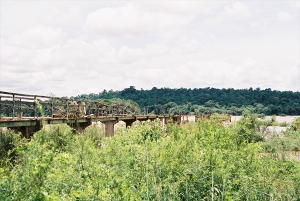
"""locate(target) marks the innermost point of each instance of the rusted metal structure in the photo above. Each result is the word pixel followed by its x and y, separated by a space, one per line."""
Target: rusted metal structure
pixel 16 105
pixel 28 113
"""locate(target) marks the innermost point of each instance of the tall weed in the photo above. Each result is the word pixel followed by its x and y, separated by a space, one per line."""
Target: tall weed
pixel 198 161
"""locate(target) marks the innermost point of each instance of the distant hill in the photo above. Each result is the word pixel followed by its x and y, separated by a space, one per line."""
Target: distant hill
pixel 207 100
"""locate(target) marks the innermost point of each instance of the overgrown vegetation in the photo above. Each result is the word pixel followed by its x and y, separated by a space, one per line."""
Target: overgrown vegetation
pixel 195 161
pixel 9 143
pixel 280 143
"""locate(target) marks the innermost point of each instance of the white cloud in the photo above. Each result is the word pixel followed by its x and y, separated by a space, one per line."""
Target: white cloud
pixel 78 54
pixel 179 7
pixel 37 37
pixel 128 20
pixel 237 11
pixel 57 75
pixel 88 47
pixel 19 59
pixel 284 16
pixel 255 24
pixel 70 16
pixel 128 55
pixel 157 49
pixel 295 4
pixel 189 45
pixel 191 73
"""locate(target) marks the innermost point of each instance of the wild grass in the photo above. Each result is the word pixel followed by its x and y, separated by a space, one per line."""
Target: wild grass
pixel 198 161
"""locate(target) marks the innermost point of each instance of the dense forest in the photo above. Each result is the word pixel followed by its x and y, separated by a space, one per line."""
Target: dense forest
pixel 206 100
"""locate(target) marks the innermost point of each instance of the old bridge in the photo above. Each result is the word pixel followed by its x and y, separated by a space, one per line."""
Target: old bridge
pixel 29 113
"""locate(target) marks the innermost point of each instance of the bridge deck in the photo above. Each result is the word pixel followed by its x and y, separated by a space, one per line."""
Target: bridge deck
pixel 31 121
pixel 28 113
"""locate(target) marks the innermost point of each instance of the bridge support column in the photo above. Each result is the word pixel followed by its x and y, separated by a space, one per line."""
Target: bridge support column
pixel 167 119
pixel 152 119
pixel 28 131
pixel 82 126
pixel 184 118
pixel 162 119
pixel 109 128
pixel 202 116
pixel 129 122
pixel 177 120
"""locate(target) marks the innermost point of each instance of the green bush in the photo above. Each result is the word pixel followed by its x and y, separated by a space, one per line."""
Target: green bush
pixel 55 137
pixel 284 124
pixel 296 124
pixel 9 142
pixel 152 131
pixel 197 161
pixel 247 129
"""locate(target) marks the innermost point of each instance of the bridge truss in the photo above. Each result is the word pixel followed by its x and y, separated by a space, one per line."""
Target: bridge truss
pixel 16 105
pixel 28 113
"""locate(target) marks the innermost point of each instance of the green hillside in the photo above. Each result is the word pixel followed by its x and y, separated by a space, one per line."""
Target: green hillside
pixel 207 100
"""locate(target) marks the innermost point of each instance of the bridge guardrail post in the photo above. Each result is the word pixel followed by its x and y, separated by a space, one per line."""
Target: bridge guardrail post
pixel 67 110
pixel 13 109
pixel 0 108
pixel 20 109
pixel 52 107
pixel 34 105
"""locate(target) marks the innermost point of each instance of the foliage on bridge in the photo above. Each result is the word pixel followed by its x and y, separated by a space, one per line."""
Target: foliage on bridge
pixel 24 105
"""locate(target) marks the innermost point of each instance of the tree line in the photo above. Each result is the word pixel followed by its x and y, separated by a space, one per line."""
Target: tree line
pixel 206 100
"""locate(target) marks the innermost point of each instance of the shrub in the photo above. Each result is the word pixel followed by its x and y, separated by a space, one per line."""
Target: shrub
pixel 152 130
pixel 296 124
pixel 199 161
pixel 9 142
pixel 54 137
pixel 248 129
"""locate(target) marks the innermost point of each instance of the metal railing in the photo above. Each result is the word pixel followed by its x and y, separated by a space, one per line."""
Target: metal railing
pixel 16 105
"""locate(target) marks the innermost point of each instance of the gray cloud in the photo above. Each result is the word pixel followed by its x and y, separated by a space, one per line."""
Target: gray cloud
pixel 64 49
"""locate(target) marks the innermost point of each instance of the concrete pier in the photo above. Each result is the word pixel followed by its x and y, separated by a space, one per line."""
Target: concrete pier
pixel 28 126
pixel 110 128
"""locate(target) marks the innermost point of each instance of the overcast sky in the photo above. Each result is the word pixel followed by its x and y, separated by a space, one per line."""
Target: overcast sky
pixel 69 48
